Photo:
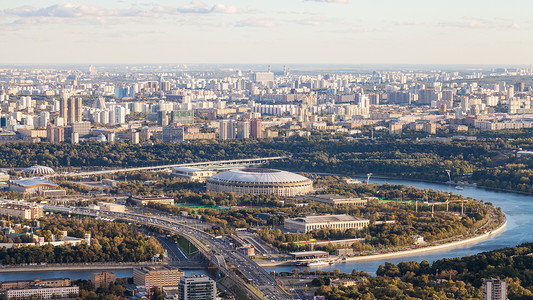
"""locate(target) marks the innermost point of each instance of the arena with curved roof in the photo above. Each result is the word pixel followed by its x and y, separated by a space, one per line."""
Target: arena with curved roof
pixel 39 170
pixel 260 181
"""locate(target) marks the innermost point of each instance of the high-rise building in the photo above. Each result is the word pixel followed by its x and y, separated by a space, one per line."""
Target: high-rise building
pixel 196 287
pixel 55 134
pixel 243 130
pixel 226 129
pixel 402 98
pixel 120 115
pixel 519 87
pixel 71 109
pixel 494 289
pixel 256 128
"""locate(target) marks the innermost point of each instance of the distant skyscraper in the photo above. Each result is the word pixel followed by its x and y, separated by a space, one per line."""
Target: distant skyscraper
pixel 226 129
pixel 120 115
pixel 196 288
pixel 519 87
pixel 494 289
pixel 71 109
pixel 256 128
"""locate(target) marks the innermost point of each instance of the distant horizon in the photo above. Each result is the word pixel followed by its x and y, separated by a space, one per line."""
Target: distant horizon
pixel 278 67
pixel 224 31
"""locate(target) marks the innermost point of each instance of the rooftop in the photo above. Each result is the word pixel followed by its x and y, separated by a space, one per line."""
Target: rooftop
pixel 327 219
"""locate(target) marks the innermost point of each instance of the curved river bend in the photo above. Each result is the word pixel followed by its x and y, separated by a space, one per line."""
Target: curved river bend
pixel 518 209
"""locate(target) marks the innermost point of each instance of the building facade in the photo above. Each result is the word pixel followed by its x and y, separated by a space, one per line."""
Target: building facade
pixel 337 222
pixel 156 276
pixel 197 288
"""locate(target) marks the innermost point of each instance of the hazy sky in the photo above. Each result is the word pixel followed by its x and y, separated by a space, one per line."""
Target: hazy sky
pixel 267 31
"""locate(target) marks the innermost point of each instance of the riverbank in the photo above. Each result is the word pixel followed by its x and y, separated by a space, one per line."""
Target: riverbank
pixel 471 240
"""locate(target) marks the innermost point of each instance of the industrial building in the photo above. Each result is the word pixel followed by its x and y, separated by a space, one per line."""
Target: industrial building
pixel 260 181
pixel 337 222
pixel 156 276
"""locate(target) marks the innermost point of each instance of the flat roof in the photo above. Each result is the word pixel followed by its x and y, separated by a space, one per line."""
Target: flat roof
pixel 308 252
pixel 327 219
pixel 188 169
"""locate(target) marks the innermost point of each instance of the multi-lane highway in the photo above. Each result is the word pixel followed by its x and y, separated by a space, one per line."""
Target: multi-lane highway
pixel 244 272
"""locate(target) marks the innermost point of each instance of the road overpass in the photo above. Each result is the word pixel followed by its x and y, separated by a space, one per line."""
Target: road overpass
pixel 219 164
pixel 242 275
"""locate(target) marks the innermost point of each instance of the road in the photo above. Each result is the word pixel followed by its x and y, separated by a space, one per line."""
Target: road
pixel 243 271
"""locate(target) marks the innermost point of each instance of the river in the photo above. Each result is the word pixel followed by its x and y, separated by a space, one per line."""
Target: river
pixel 517 207
pixel 80 274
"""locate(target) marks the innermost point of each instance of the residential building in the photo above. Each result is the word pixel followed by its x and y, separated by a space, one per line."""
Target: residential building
pixel 494 289
pixel 100 279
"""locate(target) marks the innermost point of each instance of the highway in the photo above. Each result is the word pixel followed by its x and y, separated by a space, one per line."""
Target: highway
pixel 242 270
pixel 220 164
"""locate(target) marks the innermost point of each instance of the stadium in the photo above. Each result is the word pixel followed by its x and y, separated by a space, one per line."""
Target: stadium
pixel 260 181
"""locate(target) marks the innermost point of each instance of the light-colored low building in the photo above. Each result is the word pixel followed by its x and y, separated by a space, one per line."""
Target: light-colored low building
pixel 44 292
pixel 193 174
pixel 108 206
pixel 154 199
pixel 22 210
pixel 156 276
pixel 31 185
pixel 337 222
pixel 336 200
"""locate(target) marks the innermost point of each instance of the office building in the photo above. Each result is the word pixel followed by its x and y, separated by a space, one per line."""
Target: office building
pixel 196 287
pixel 182 116
pixel 156 276
pixel 102 279
pixel 193 174
pixel 337 222
pixel 494 289
pixel 226 129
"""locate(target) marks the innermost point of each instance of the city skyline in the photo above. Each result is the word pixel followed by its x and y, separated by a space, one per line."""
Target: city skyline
pixel 279 32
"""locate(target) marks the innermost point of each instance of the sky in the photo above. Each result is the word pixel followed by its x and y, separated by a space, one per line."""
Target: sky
pixel 266 31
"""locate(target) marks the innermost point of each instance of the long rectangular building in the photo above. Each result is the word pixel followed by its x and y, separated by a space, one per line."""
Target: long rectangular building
pixel 44 292
pixel 338 222
pixel 156 276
